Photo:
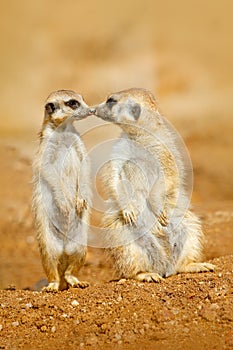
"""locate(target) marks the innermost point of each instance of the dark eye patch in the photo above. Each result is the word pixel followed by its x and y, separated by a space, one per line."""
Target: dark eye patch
pixel 72 104
pixel 111 102
pixel 136 111
pixel 50 107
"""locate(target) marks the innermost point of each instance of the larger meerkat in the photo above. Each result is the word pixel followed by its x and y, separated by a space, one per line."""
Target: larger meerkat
pixel 149 232
pixel 61 193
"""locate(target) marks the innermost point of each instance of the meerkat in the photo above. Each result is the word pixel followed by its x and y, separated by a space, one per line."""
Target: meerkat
pixel 61 190
pixel 149 232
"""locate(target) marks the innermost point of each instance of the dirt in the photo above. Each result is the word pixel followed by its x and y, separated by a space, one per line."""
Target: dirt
pixel 183 53
pixel 186 311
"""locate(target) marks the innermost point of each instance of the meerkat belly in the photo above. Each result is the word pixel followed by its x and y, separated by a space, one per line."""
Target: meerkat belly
pixel 59 190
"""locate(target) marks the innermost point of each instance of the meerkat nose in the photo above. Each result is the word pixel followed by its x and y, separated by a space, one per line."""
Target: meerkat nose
pixel 92 111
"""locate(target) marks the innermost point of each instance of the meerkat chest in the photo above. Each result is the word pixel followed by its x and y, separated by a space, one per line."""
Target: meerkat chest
pixel 63 152
pixel 136 161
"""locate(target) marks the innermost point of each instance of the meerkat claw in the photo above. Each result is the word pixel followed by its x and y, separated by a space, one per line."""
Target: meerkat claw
pixel 149 277
pixel 129 217
pixel 163 219
pixel 81 205
pixel 75 283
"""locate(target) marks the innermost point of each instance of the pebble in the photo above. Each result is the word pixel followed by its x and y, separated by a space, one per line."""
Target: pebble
pixel 28 305
pixel 118 336
pixel 121 281
pixel 75 303
pixel 209 312
pixel 53 329
pixel 43 328
pixel 119 298
pixel 1 327
pixel 15 324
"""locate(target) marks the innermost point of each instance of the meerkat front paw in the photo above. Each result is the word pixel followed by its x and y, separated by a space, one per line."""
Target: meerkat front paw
pixel 81 205
pixel 162 219
pixel 148 277
pixel 129 216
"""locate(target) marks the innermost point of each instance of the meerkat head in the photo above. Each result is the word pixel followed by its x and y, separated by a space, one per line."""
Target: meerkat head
pixel 63 105
pixel 129 107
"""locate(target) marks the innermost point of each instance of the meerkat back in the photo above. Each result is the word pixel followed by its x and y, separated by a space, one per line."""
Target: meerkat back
pixel 62 195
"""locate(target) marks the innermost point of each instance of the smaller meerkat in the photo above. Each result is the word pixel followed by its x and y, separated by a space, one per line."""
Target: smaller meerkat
pixel 149 232
pixel 61 190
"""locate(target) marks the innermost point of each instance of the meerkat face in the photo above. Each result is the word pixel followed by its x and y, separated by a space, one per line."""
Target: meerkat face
pixel 63 105
pixel 119 110
pixel 127 107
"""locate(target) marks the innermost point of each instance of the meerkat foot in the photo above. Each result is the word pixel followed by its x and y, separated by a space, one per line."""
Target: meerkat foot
pixel 81 205
pixel 129 217
pixel 75 283
pixel 51 287
pixel 197 267
pixel 148 277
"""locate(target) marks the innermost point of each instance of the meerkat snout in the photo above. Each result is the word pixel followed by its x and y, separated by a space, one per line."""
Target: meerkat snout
pixel 92 111
pixel 119 108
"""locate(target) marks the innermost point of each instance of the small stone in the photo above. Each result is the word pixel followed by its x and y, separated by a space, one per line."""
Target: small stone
pixel 43 328
pixel 28 305
pixel 119 298
pixel 15 324
pixel 75 303
pixel 1 327
pixel 208 314
pixel 81 345
pixel 146 326
pixel 92 340
pixel 121 281
pixel 117 336
pixel 23 319
pixel 53 329
pixel 76 322
pixel 64 315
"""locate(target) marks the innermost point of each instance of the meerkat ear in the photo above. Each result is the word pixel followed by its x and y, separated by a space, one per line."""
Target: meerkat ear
pixel 136 111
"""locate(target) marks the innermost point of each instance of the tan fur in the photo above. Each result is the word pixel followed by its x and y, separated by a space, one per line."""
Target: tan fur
pixel 147 145
pixel 61 192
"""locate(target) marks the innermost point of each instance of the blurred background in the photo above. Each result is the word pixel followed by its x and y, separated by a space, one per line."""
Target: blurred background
pixel 181 50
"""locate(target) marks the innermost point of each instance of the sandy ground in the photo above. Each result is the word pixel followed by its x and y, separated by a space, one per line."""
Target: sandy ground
pixel 181 51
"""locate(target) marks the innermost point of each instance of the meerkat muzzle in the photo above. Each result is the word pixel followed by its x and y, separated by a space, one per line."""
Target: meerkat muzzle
pixel 92 111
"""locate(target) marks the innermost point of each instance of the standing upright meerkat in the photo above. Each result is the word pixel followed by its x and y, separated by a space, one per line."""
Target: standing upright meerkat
pixel 61 190
pixel 149 232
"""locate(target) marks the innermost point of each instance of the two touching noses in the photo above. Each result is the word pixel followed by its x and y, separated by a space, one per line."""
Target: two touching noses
pixel 92 111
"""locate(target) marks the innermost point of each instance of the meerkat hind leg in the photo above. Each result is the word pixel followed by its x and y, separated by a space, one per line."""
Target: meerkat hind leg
pixel 148 277
pixel 51 270
pixel 197 267
pixel 70 278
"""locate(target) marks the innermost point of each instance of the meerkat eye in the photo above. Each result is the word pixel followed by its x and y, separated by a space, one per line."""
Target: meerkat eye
pixel 72 104
pixel 50 108
pixel 111 101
